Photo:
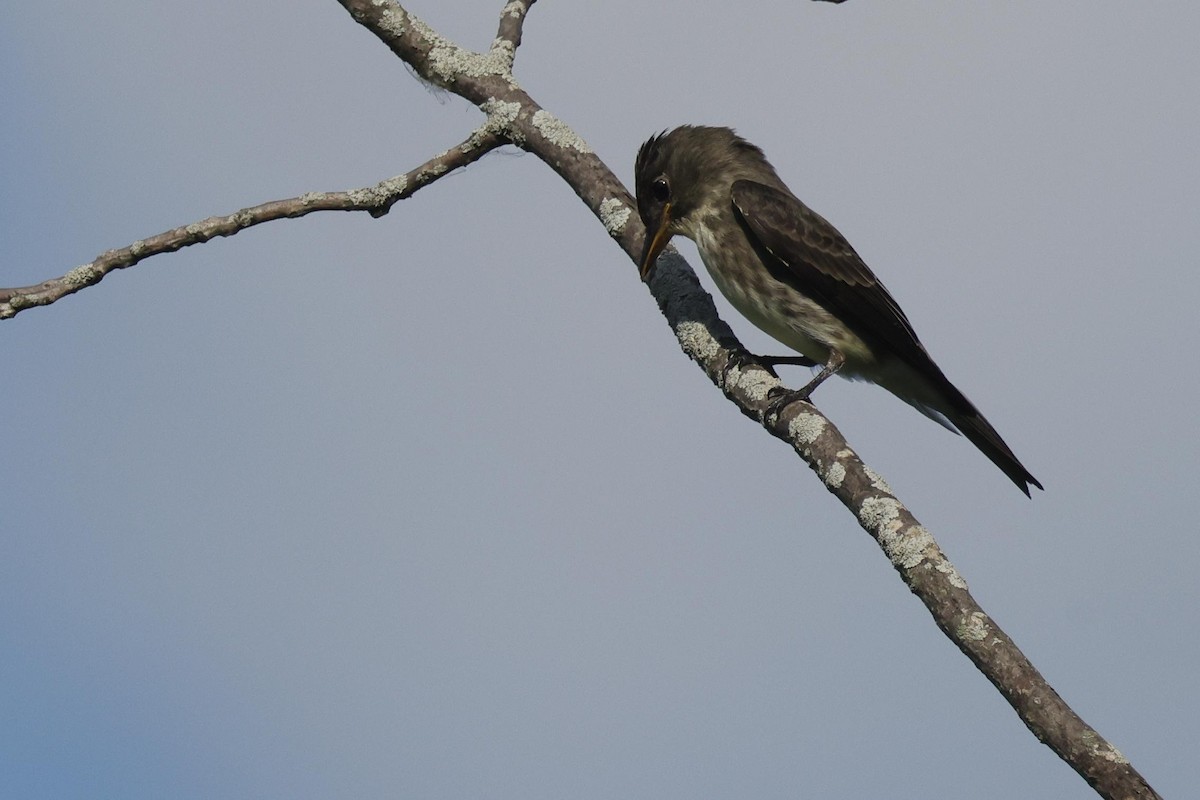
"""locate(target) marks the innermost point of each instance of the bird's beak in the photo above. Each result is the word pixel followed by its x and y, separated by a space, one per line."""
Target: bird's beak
pixel 656 239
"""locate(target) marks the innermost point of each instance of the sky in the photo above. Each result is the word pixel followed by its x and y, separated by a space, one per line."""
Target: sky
pixel 433 506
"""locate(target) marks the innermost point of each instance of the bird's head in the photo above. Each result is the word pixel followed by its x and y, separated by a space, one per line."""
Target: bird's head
pixel 685 173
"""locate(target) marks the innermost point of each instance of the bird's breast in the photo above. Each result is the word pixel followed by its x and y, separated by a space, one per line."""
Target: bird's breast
pixel 775 307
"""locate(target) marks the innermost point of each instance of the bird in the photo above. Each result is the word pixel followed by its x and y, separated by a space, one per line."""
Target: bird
pixel 793 275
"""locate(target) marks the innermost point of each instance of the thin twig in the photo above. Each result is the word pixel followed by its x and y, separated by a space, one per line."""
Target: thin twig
pixel 376 200
pixel 512 23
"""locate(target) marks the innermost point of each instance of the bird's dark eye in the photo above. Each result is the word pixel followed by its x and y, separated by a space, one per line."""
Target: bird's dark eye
pixel 660 190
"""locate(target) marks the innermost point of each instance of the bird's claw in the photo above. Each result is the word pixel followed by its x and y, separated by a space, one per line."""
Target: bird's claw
pixel 780 397
pixel 741 359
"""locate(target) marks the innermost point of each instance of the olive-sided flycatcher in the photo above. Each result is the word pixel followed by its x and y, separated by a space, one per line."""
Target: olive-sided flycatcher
pixel 790 272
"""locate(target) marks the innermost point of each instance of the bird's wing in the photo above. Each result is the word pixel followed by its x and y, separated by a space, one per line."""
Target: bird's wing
pixel 801 249
pixel 804 251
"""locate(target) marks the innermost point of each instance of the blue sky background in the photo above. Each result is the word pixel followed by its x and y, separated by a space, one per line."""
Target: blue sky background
pixel 432 506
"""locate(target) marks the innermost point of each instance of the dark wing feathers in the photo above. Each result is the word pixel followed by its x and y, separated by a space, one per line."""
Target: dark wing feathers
pixel 800 248
pixel 810 255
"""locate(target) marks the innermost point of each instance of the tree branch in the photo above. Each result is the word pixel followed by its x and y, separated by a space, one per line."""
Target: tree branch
pixel 710 342
pixel 512 23
pixel 376 200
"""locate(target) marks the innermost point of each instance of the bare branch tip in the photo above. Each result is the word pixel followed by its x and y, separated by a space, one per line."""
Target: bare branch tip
pixel 512 23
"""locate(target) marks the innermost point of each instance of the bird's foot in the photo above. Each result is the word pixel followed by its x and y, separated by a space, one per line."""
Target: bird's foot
pixel 741 359
pixel 781 398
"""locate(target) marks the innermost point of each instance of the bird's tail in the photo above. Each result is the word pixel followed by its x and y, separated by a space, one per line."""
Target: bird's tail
pixel 981 434
pixel 937 398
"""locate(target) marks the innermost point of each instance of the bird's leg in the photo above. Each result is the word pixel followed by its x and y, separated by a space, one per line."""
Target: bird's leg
pixel 795 361
pixel 740 359
pixel 785 397
pixel 832 366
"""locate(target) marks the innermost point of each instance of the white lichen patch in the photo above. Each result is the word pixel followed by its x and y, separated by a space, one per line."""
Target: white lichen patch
pixel 393 19
pixel 511 9
pixel 1103 749
pixel 503 49
pixel 500 118
pixel 879 512
pixel 83 275
pixel 500 43
pixel 952 577
pixel 394 186
pixel 906 547
pixel 426 175
pixel 755 383
pixel 696 341
pixel 614 214
pixel 558 133
pixel 137 248
pixel 382 191
pixel 974 627
pixel 1112 754
pixel 448 62
pixel 877 480
pixel 806 428
pixel 835 475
